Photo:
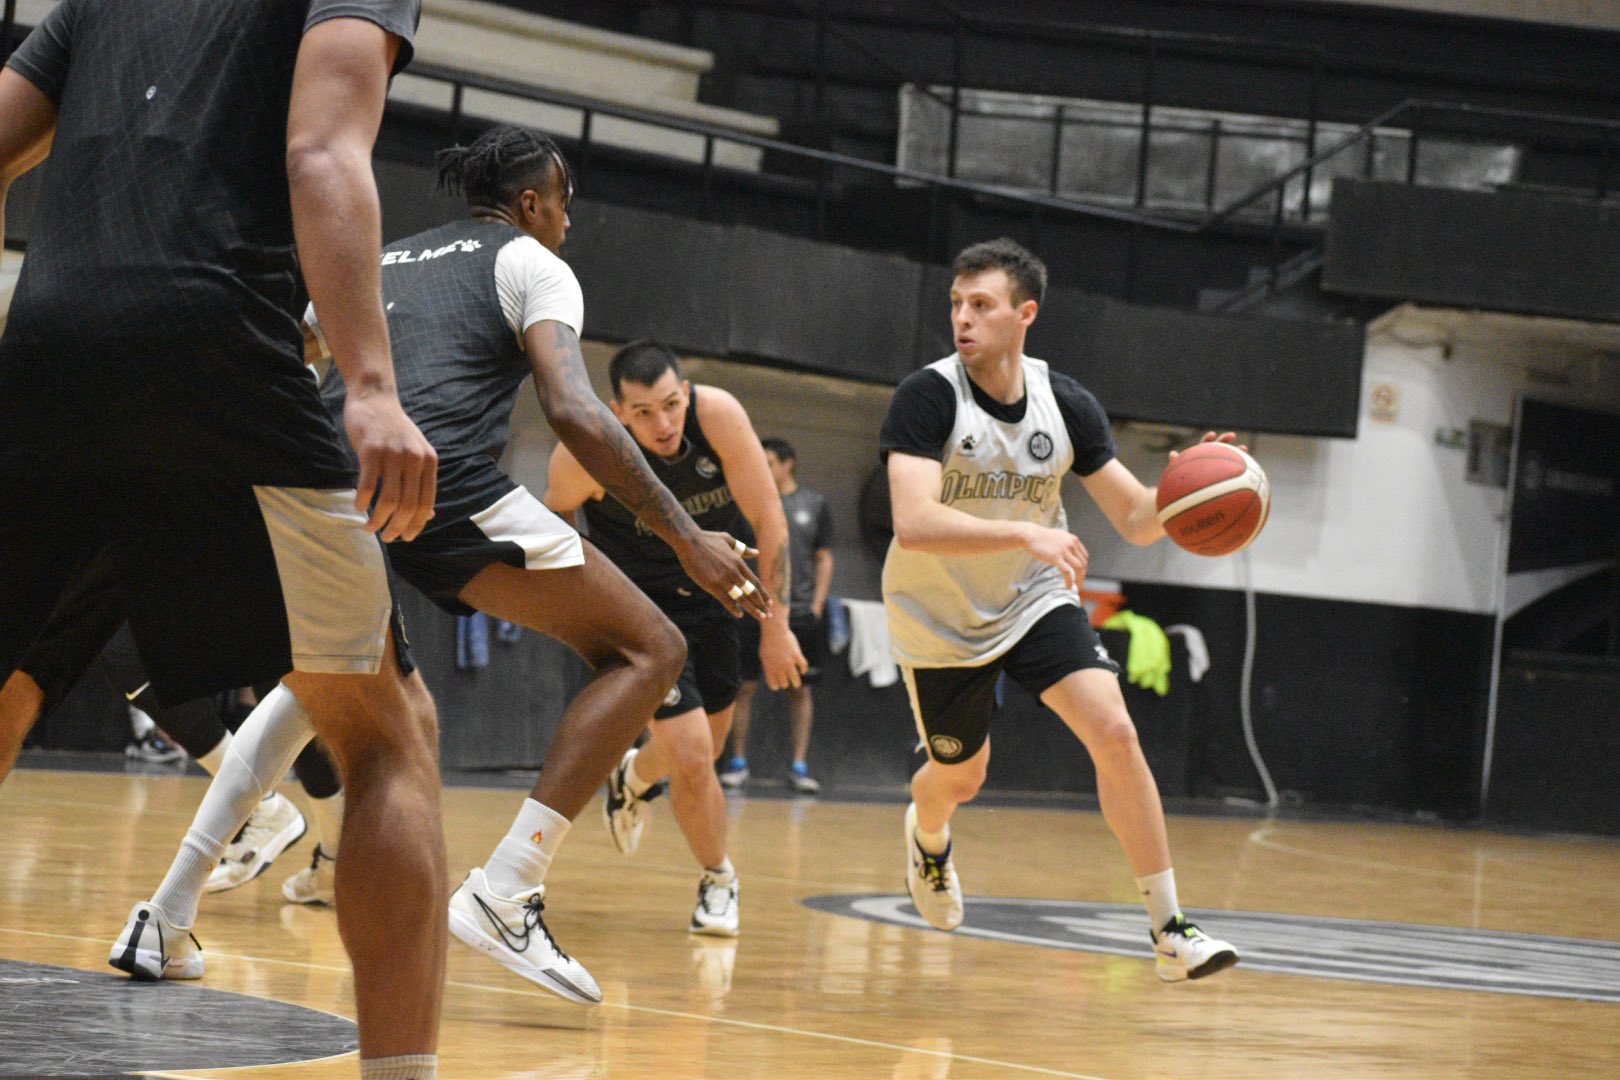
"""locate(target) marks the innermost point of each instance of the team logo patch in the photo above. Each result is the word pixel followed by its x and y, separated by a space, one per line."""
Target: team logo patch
pixel 705 466
pixel 1403 954
pixel 539 836
pixel 944 746
pixel 968 444
pixel 673 697
pixel 1040 446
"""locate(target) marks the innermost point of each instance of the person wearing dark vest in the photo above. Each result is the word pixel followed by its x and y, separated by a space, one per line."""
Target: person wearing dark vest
pixel 702 445
pixel 473 308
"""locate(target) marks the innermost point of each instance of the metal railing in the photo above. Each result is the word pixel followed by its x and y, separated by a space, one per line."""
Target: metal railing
pixel 1419 117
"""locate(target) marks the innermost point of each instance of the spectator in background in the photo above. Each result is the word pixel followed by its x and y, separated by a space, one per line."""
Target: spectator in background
pixel 810 550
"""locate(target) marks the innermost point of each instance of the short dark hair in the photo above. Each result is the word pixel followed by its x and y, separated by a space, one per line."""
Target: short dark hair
pixel 780 447
pixel 500 165
pixel 1026 273
pixel 642 362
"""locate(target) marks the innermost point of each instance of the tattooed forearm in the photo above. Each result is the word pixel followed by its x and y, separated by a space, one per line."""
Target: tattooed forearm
pixel 778 577
pixel 601 444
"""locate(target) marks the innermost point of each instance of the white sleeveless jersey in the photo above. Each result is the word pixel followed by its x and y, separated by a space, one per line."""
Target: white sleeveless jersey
pixel 966 610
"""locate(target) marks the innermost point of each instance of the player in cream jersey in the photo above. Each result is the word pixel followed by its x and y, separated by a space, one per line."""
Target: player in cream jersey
pixel 963 612
pixel 983 576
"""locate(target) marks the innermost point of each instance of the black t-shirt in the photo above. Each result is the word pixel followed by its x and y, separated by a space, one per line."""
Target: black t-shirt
pixel 155 323
pixel 923 412
pixel 696 478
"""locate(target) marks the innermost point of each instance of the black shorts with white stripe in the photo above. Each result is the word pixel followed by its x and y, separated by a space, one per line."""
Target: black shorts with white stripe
pixel 481 516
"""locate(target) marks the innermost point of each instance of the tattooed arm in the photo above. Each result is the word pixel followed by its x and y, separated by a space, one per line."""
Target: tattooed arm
pixel 598 442
pixel 726 425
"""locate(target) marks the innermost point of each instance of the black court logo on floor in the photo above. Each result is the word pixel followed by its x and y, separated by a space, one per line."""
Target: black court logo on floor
pixel 65 1022
pixel 1443 957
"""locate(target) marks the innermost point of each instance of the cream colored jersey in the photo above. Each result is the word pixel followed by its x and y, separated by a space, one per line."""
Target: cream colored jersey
pixel 966 610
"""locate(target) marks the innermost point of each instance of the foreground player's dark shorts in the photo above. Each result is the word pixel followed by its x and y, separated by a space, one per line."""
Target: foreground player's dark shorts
pixel 953 706
pixel 811 634
pixel 711 676
pixel 224 583
pixel 481 516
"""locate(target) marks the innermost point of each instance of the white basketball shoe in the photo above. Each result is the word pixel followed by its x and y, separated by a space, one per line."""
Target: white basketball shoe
pixel 931 880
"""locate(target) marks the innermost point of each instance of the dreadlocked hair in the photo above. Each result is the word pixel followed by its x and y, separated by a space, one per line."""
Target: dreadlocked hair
pixel 499 165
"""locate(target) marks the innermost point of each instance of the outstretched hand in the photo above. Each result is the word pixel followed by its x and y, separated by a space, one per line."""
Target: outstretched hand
pixel 398 467
pixel 715 561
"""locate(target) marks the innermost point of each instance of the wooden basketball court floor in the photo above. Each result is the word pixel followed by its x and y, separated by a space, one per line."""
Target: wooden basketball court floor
pixel 820 993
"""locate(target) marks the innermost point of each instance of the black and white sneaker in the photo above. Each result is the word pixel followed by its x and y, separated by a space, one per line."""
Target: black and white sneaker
pixel 1182 951
pixel 151 948
pixel 513 933
pixel 626 814
pixel 717 911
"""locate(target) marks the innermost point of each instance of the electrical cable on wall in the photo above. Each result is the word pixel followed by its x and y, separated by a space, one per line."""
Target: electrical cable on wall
pixel 1245 703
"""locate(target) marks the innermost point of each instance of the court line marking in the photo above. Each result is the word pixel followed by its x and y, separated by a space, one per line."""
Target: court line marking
pixel 966 1059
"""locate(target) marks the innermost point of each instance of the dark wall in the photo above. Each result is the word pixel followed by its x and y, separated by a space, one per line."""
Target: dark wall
pixel 1501 251
pixel 1557 745
pixel 749 294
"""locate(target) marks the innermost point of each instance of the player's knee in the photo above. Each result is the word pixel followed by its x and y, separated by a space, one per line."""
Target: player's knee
pixel 1115 737
pixel 666 653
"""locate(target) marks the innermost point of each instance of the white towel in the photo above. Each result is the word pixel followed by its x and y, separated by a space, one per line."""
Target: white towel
pixel 1197 650
pixel 869 652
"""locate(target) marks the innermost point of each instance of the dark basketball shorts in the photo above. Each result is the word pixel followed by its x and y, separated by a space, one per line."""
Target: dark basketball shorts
pixel 481 516
pixel 953 706
pixel 712 673
pixel 224 583
pixel 811 633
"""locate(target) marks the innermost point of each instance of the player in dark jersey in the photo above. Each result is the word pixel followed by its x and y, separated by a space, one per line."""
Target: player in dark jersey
pixel 474 307
pixel 153 403
pixel 701 444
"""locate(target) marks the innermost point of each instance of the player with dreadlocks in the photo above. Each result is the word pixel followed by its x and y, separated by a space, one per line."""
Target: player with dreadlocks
pixel 473 307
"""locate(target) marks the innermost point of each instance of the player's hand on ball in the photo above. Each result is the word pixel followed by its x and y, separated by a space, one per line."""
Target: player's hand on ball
pixel 780 658
pixel 1062 549
pixel 715 561
pixel 399 468
pixel 1210 436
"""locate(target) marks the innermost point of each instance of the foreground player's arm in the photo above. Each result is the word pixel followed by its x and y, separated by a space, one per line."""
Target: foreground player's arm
pixel 27 123
pixel 339 85
pixel 725 424
pixel 923 523
pixel 597 445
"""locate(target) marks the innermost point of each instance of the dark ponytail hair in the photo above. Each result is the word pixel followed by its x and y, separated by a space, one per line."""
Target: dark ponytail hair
pixel 500 165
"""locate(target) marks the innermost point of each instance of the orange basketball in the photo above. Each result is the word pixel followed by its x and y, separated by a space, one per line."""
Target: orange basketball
pixel 1214 499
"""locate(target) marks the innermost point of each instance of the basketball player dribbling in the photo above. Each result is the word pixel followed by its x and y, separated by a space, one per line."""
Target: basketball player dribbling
pixel 154 402
pixel 983 576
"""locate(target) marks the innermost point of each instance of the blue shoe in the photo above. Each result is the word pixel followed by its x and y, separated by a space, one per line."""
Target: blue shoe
pixel 735 774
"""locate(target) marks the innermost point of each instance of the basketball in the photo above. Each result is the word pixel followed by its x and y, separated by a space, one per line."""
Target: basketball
pixel 1214 499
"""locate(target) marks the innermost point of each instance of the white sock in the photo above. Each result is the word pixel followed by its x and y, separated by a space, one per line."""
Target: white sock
pixel 140 724
pixel 724 872
pixel 934 843
pixel 634 782
pixel 1159 897
pixel 404 1067
pixel 259 756
pixel 182 887
pixel 328 815
pixel 523 856
pixel 212 760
